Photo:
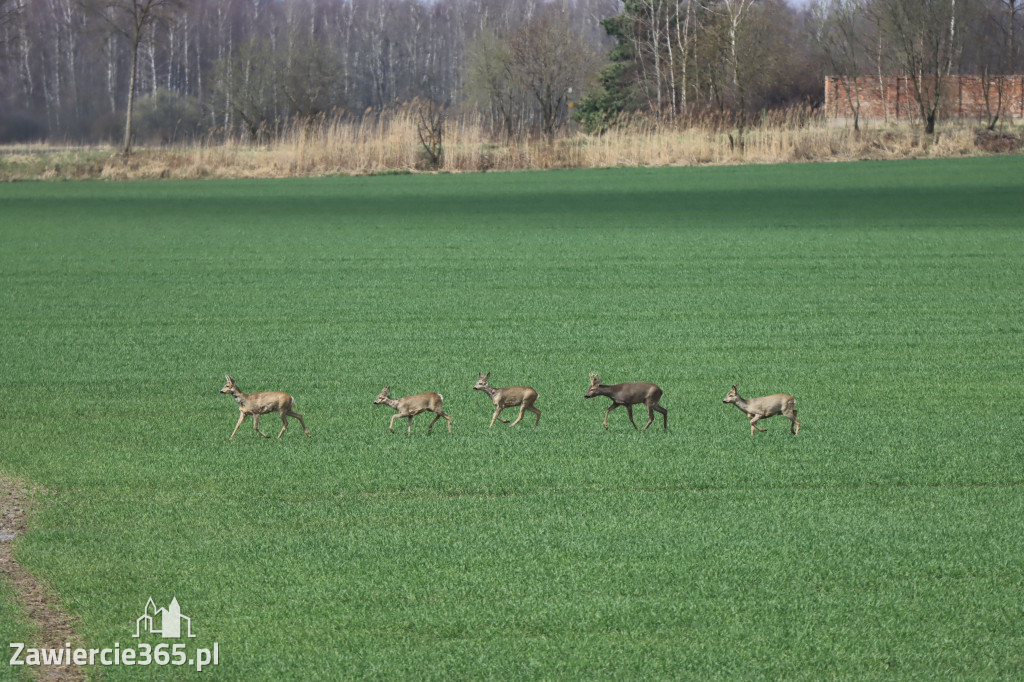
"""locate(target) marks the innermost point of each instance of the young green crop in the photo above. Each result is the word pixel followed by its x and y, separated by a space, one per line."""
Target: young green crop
pixel 884 540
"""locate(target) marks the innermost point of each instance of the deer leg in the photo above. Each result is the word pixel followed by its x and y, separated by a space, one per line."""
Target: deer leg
pixel 284 425
pixel 410 425
pixel 650 417
pixel 614 405
pixel 663 411
pixel 531 408
pixel 753 424
pixel 520 417
pixel 629 411
pixel 438 416
pixel 391 426
pixel 256 425
pixel 794 423
pixel 497 415
pixel 293 413
pixel 241 418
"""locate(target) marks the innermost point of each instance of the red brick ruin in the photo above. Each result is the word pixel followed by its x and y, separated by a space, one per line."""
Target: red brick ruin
pixel 891 98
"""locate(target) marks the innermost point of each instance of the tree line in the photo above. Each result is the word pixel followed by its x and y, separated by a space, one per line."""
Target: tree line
pixel 244 67
pixel 740 57
pixel 72 69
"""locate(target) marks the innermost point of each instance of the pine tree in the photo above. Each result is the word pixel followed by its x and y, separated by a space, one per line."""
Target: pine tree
pixel 599 111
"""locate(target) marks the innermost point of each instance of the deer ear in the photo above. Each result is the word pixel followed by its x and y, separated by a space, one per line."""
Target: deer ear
pixel 228 378
pixel 734 387
pixel 487 376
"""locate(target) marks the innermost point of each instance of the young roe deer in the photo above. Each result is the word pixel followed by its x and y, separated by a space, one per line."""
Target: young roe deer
pixel 768 406
pixel 629 394
pixel 262 403
pixel 412 405
pixel 508 397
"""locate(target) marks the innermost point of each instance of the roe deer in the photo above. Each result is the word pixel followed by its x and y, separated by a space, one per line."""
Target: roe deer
pixel 262 403
pixel 768 406
pixel 629 394
pixel 412 405
pixel 508 397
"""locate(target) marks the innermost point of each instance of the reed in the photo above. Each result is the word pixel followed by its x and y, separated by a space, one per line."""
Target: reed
pixel 387 142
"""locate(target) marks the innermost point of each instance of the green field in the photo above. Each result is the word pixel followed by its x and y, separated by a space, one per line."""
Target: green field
pixel 886 541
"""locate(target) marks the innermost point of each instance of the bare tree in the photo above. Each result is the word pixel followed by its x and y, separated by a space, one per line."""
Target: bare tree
pixel 1010 32
pixel 552 62
pixel 133 19
pixel 925 37
pixel 535 68
pixel 840 28
pixel 492 76
pixel 735 13
pixel 9 17
pixel 992 46
pixel 243 87
pixel 430 122
pixel 8 13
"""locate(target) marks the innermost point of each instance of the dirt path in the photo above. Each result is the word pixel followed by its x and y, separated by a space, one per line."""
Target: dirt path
pixel 53 628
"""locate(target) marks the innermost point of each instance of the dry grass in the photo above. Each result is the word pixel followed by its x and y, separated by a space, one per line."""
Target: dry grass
pixel 386 142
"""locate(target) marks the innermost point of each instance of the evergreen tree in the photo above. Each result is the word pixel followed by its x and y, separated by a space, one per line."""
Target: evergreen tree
pixel 617 94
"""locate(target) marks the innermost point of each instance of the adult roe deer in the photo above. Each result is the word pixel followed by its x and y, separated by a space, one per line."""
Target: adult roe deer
pixel 262 403
pixel 511 396
pixel 767 406
pixel 412 405
pixel 629 394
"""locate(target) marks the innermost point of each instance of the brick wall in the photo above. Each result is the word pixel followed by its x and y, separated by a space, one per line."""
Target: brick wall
pixel 892 98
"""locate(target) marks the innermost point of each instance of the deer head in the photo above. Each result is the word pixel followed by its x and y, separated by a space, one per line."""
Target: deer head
pixel 482 383
pixel 383 397
pixel 595 381
pixel 733 395
pixel 229 386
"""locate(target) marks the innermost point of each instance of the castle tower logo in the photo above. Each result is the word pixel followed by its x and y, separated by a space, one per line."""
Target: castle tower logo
pixel 164 622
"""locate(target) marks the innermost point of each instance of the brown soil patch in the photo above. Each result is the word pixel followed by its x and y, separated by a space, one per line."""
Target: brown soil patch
pixel 53 628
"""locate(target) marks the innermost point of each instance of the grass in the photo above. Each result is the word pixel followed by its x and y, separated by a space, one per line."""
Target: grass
pixel 885 541
pixel 12 627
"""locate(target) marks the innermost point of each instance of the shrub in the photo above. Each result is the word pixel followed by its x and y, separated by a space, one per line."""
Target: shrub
pixel 164 116
pixel 20 126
